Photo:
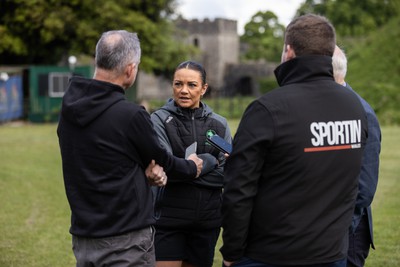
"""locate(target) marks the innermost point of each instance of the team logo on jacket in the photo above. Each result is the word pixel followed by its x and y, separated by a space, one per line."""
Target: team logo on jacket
pixel 210 133
pixel 169 119
pixel 335 135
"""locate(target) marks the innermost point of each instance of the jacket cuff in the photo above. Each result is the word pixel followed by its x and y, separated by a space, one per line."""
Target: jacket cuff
pixel 209 163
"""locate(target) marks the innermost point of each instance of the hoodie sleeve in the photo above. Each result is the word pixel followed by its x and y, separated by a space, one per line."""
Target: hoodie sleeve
pixel 146 141
pixel 159 127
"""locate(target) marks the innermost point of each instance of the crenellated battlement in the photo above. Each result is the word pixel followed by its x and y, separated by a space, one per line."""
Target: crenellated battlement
pixel 207 26
pixel 218 42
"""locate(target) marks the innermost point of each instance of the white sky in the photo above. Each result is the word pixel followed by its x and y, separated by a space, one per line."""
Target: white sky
pixel 239 10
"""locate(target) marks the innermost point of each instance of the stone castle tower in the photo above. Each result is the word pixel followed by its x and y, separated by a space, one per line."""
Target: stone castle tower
pixel 218 42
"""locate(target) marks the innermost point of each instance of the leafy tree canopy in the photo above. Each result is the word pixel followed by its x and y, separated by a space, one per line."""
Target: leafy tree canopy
pixel 263 37
pixel 353 17
pixel 373 71
pixel 48 31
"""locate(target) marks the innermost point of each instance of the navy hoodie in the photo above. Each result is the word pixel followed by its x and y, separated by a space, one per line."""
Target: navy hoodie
pixel 106 142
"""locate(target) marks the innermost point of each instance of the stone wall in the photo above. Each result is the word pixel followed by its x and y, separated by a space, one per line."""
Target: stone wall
pixel 242 79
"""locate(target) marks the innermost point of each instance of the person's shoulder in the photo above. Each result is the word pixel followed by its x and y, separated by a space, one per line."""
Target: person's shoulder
pixel 168 107
pixel 132 111
pixel 131 106
pixel 270 97
pixel 160 115
pixel 208 111
pixel 368 108
pixel 219 117
pixel 277 91
pixel 159 111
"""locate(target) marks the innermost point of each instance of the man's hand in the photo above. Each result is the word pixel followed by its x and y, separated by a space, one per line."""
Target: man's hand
pixel 155 174
pixel 227 263
pixel 198 161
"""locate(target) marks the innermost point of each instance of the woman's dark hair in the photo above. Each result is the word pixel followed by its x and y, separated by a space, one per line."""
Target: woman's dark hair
pixel 192 65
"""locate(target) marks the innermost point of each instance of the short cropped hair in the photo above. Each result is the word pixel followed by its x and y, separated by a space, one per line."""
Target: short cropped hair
pixel 311 34
pixel 116 49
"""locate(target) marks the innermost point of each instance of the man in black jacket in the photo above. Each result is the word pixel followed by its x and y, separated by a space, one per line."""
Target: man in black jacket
pixel 292 176
pixel 106 143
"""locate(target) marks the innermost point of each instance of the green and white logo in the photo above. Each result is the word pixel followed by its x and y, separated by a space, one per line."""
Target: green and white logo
pixel 210 133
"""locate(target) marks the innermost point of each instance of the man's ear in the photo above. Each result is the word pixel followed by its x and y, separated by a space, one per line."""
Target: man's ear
pixel 130 69
pixel 290 54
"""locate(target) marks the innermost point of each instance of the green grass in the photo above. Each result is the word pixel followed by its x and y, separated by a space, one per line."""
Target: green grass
pixel 34 213
pixel 386 205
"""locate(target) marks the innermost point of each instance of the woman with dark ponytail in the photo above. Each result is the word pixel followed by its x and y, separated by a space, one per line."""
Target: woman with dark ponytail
pixel 188 211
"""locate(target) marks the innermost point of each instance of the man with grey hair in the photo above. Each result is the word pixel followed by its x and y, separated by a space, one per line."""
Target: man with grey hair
pixel 361 234
pixel 106 143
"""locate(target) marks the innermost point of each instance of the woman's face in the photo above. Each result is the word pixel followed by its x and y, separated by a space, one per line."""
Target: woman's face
pixel 188 88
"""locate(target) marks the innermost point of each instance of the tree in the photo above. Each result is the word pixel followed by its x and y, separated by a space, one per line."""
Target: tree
pixel 48 31
pixel 353 17
pixel 263 37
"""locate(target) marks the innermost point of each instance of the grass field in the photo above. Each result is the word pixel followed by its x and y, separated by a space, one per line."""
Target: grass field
pixel 34 213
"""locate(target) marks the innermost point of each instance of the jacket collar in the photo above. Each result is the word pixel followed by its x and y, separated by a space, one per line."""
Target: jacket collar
pixel 303 68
